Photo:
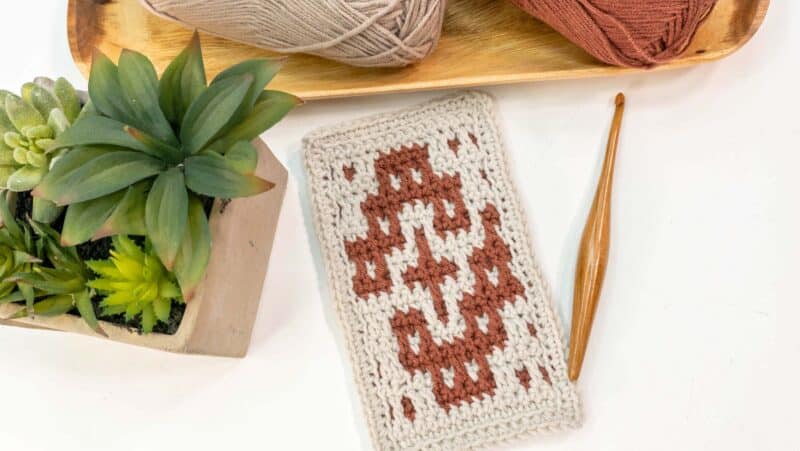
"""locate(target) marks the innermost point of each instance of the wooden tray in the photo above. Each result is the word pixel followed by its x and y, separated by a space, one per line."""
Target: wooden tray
pixel 484 42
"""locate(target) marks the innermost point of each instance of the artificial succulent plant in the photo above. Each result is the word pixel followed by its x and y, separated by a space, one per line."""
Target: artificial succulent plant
pixel 134 282
pixel 155 148
pixel 50 278
pixel 18 253
pixel 28 126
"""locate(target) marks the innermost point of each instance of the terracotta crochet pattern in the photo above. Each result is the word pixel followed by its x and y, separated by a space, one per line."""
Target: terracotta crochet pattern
pixel 453 340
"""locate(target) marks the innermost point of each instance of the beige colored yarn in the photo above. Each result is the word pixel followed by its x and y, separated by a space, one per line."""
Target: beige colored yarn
pixel 447 319
pixel 356 32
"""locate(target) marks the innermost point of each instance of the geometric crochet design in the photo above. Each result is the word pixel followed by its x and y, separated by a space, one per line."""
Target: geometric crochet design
pixel 451 333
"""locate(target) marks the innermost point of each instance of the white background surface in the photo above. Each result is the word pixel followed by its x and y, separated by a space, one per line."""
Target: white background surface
pixel 695 344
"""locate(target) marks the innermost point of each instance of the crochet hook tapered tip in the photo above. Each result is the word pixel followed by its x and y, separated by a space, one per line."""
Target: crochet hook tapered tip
pixel 590 268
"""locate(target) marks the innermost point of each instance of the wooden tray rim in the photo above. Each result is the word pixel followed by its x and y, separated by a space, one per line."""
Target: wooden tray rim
pixel 761 7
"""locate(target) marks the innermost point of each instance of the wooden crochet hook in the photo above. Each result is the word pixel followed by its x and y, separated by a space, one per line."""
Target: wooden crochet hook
pixel 590 268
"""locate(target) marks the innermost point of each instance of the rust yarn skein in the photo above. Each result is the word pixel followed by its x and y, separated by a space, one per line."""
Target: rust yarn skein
pixel 633 33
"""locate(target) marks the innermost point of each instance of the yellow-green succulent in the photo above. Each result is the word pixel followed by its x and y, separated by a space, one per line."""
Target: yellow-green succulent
pixel 134 282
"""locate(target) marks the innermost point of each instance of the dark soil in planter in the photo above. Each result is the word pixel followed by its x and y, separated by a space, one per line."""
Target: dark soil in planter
pixel 168 328
pixel 24 206
pixel 208 204
pixel 95 250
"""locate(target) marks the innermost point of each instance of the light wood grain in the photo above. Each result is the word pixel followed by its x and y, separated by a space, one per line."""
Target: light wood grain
pixel 590 269
pixel 219 319
pixel 484 42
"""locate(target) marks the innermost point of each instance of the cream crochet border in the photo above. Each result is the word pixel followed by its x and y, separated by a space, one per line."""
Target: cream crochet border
pixel 508 427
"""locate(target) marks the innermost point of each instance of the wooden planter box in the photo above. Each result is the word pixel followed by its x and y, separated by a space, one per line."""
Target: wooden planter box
pixel 219 320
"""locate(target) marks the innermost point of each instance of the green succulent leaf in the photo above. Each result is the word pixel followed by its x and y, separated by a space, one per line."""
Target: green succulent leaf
pixel 128 216
pixel 68 98
pixel 7 156
pixel 52 283
pixel 213 175
pixel 49 306
pixel 68 163
pixel 105 89
pixel 83 301
pixel 45 211
pixel 5 173
pixel 271 107
pixel 26 178
pixel 64 258
pixel 84 219
pixel 128 93
pixel 195 250
pixel 162 308
pixel 148 319
pixel 40 98
pixel 243 157
pixel 182 82
pixel 21 257
pixel 21 114
pixel 155 147
pixel 57 122
pixel 212 111
pixel 13 140
pixel 166 215
pixel 262 70
pixel 112 309
pixel 14 296
pixel 139 82
pixel 9 221
pixel 5 123
pixel 132 310
pixel 25 92
pixel 98 175
pixel 30 296
pixel 37 159
pixel 45 231
pixel 37 132
pixel 88 110
pixel 98 130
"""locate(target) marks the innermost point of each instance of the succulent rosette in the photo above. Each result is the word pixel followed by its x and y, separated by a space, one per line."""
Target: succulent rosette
pixel 134 282
pixel 29 125
pixel 157 147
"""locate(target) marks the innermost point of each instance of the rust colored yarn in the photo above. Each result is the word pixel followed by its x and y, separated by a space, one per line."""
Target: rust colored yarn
pixel 634 33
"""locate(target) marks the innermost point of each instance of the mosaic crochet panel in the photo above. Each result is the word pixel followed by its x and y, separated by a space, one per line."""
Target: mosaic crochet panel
pixel 453 340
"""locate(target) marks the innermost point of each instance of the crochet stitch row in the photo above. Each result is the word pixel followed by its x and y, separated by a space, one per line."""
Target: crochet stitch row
pixel 451 333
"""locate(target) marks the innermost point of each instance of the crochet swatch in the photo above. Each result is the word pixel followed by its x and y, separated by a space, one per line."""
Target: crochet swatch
pixel 453 340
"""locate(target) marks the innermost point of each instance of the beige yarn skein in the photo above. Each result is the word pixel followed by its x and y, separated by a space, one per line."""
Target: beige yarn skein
pixel 356 32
